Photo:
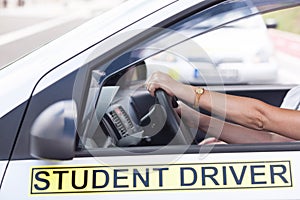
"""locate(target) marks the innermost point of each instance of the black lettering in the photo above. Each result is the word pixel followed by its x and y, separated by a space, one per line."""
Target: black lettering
pixel 182 180
pixel 117 177
pixel 238 180
pixel 95 178
pixel 136 174
pixel 211 176
pixel 280 174
pixel 43 180
pixel 224 175
pixel 84 180
pixel 253 174
pixel 160 174
pixel 60 177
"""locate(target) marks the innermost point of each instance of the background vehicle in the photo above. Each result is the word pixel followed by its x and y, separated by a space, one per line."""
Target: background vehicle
pixel 239 52
pixel 78 125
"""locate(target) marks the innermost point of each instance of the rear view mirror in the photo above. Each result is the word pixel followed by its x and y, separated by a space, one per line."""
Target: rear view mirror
pixel 53 133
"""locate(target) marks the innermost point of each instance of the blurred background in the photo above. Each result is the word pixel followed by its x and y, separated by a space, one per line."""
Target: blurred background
pixel 26 25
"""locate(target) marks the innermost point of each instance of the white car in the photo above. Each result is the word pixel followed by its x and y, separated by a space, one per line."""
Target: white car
pixel 236 53
pixel 78 123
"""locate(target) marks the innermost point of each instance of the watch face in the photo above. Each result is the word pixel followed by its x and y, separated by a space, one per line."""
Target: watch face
pixel 199 90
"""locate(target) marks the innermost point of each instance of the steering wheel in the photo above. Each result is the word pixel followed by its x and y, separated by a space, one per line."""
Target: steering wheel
pixel 175 131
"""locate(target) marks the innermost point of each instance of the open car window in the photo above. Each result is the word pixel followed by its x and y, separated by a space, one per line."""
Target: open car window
pixel 220 49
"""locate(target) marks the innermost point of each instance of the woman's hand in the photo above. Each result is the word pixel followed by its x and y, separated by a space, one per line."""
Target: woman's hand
pixel 164 81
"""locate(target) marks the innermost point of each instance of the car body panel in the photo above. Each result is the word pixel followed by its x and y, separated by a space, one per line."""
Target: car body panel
pixel 260 171
pixel 283 184
pixel 3 164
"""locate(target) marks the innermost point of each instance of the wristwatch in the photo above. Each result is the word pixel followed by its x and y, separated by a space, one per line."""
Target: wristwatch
pixel 198 92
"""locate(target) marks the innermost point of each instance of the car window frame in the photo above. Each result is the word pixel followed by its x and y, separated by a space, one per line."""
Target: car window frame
pixel 217 148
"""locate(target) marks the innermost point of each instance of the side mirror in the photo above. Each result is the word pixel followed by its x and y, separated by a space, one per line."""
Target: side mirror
pixel 271 23
pixel 53 133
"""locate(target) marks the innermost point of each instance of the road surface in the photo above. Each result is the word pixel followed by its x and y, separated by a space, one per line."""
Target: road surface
pixel 24 29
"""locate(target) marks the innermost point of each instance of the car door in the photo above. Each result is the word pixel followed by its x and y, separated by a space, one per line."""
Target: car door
pixel 10 124
pixel 100 97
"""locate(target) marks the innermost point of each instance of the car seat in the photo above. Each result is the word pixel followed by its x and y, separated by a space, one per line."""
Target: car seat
pixel 292 99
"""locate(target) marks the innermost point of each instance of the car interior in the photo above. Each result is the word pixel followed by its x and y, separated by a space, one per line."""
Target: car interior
pixel 120 112
pixel 126 115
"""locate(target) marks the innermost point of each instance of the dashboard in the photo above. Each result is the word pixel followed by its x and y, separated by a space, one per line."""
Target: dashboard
pixel 122 113
pixel 127 116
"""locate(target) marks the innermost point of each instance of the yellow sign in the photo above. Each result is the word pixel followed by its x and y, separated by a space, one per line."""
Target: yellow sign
pixel 190 176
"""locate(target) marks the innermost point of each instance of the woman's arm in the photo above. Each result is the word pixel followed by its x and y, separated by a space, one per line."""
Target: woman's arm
pixel 236 134
pixel 249 112
pixel 225 131
pixel 253 113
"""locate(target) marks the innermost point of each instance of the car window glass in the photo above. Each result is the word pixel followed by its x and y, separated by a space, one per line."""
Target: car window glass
pixel 284 36
pixel 219 50
pixel 240 52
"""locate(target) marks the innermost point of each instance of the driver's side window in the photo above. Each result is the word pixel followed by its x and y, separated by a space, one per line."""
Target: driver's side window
pixel 120 112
